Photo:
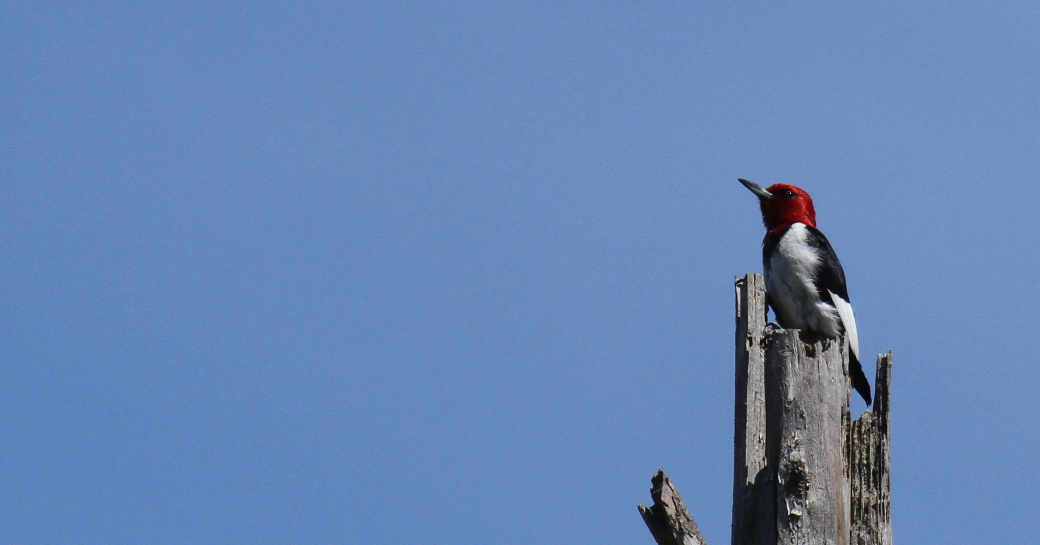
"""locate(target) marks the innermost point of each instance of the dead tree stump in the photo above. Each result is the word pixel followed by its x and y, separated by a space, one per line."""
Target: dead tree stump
pixel 869 465
pixel 807 397
pixel 804 473
pixel 668 519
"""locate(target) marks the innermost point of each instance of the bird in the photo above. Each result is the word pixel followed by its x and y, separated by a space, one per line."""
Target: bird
pixel 805 283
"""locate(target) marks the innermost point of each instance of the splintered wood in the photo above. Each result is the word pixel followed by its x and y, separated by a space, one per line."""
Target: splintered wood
pixel 869 465
pixel 754 482
pixel 804 473
pixel 668 519
pixel 806 398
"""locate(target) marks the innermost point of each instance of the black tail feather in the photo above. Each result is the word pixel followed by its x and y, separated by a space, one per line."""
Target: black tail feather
pixel 859 380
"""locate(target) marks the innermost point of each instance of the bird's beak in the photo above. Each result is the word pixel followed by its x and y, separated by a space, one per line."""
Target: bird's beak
pixel 756 189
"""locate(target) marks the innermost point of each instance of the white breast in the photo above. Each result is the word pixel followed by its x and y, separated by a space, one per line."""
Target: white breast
pixel 790 282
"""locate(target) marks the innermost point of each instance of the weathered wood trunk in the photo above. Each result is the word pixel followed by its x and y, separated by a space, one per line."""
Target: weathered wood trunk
pixel 806 400
pixel 754 482
pixel 668 519
pixel 803 472
pixel 870 463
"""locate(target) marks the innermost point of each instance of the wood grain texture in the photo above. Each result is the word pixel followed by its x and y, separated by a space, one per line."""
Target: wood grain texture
pixel 804 473
pixel 869 465
pixel 668 519
pixel 806 397
pixel 753 481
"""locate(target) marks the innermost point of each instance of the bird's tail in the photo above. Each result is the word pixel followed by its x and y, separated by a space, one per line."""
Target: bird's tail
pixel 859 380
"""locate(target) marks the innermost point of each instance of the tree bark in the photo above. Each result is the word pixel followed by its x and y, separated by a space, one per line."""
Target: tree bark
pixel 806 398
pixel 804 473
pixel 668 519
pixel 869 465
pixel 753 481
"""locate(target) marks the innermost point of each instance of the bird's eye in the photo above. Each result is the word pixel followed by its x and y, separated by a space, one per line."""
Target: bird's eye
pixel 789 194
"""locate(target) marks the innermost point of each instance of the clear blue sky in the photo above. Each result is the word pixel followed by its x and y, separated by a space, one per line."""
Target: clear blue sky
pixel 379 272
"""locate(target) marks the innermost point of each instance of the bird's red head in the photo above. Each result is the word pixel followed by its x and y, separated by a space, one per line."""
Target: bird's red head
pixel 782 205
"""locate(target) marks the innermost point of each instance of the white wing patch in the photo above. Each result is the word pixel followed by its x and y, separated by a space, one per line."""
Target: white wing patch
pixel 848 319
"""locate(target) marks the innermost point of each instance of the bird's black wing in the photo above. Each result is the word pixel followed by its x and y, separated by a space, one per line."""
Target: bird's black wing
pixel 830 277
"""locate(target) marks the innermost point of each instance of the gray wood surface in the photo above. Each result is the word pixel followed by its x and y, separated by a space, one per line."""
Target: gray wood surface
pixel 753 482
pixel 668 519
pixel 869 465
pixel 804 473
pixel 806 398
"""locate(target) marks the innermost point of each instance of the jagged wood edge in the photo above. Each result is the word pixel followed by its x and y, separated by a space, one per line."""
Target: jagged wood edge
pixel 870 465
pixel 668 519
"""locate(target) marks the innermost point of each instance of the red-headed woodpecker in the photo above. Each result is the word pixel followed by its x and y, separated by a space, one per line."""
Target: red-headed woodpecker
pixel 805 284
